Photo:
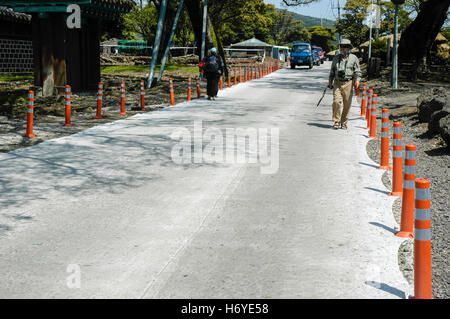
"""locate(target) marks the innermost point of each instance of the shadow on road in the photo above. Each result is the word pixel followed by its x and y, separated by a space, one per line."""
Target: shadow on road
pixel 328 126
pixel 389 289
pixel 389 229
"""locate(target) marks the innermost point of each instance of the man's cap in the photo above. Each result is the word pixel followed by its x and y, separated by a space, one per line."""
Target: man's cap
pixel 213 51
pixel 345 43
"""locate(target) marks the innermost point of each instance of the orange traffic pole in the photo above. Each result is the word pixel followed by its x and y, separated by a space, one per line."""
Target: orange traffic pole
pixel 364 100
pixel 99 101
pixel 229 81
pixel 407 217
pixel 384 158
pixel 397 177
pixel 369 108
pixel 122 99
pixel 235 76
pixel 142 96
pixel 240 75
pixel 68 106
pixel 189 89
pixel 422 241
pixel 199 91
pixel 29 132
pixel 221 83
pixel 172 94
pixel 373 120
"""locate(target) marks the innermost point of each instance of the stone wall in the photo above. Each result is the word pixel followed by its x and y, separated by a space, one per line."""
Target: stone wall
pixel 16 56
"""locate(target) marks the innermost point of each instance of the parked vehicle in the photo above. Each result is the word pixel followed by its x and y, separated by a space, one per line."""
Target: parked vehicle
pixel 302 54
pixel 316 58
pixel 320 52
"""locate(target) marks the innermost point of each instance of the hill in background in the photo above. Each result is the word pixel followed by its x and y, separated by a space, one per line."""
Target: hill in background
pixel 312 21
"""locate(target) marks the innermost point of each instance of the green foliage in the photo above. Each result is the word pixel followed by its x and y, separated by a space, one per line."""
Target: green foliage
pixel 285 29
pixel 238 20
pixel 351 25
pixel 388 18
pixel 184 34
pixel 141 22
pixel 322 37
pixel 379 47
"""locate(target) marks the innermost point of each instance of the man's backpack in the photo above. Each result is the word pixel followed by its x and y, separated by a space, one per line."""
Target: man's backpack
pixel 211 64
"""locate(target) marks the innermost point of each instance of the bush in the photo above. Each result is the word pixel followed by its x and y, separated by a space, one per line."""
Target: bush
pixel 379 48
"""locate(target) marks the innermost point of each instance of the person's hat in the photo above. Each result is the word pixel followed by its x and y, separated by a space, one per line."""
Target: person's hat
pixel 213 51
pixel 346 43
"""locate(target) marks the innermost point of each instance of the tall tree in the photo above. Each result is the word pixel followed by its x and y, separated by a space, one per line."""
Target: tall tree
pixel 351 25
pixel 322 37
pixel 418 38
pixel 285 28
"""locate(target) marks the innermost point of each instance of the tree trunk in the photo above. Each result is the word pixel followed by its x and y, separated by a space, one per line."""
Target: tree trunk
pixel 195 10
pixel 418 38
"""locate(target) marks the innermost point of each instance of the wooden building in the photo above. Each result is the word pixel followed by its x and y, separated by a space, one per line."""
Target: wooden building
pixel 62 55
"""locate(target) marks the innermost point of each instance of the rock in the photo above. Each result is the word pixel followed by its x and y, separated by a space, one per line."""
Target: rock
pixel 444 128
pixel 433 124
pixel 430 101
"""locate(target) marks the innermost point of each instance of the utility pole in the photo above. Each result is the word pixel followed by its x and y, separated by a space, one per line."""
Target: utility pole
pixel 205 13
pixel 169 43
pixel 370 33
pixel 395 51
pixel 339 18
pixel 159 30
pixel 377 19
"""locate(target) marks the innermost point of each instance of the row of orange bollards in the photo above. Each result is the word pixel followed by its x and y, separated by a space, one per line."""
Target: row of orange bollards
pixel 415 214
pixel 250 73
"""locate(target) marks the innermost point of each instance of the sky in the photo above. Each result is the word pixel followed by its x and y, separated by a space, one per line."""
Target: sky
pixel 320 9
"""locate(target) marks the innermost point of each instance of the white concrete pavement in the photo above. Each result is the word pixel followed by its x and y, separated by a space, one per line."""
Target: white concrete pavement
pixel 112 201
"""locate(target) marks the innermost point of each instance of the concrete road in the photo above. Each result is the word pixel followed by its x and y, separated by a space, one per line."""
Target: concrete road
pixel 109 213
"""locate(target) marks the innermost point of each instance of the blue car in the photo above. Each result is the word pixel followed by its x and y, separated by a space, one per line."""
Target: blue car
pixel 302 54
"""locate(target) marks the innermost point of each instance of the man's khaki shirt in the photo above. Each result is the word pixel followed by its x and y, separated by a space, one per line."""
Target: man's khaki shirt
pixel 350 65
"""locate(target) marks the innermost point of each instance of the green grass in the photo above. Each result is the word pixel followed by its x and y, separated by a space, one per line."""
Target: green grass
pixel 10 77
pixel 145 68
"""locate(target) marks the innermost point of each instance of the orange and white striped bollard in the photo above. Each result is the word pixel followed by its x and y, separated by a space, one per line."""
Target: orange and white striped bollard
pixel 122 99
pixel 189 89
pixel 142 96
pixel 409 177
pixel 30 112
pixel 384 157
pixel 68 108
pixel 99 101
pixel 373 118
pixel 422 241
pixel 221 83
pixel 199 91
pixel 369 108
pixel 397 178
pixel 171 91
pixel 364 100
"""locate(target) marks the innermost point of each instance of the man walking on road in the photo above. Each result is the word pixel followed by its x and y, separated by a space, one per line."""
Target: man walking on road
pixel 345 72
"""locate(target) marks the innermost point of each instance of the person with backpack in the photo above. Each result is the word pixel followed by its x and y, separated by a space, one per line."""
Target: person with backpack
pixel 214 68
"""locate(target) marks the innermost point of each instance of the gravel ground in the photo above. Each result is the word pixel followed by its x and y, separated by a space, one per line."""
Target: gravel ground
pixel 433 163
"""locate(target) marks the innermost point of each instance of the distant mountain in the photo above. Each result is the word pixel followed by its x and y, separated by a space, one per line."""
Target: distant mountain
pixel 312 21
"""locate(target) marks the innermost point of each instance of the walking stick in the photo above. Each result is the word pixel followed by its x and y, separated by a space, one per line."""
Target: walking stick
pixel 323 95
